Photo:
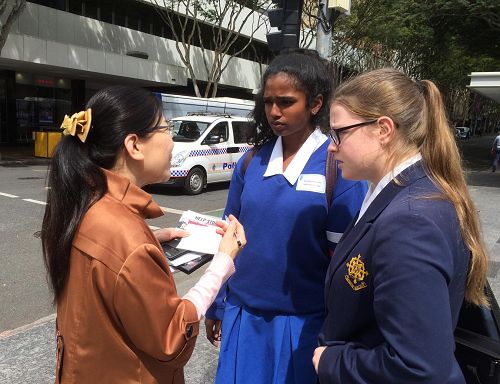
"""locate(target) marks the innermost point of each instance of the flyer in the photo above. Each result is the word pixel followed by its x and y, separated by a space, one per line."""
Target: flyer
pixel 190 253
pixel 203 237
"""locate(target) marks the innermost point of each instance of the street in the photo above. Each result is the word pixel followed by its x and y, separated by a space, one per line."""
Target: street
pixel 27 318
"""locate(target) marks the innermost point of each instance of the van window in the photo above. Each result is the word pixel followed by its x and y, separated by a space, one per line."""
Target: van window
pixel 185 130
pixel 221 131
pixel 243 131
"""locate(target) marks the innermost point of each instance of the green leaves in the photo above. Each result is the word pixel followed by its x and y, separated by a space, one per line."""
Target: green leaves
pixel 443 40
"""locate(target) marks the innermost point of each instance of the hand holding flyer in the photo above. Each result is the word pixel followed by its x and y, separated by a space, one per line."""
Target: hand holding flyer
pixel 202 237
pixel 189 253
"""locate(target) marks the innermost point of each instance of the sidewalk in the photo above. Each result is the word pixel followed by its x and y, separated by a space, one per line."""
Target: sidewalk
pixel 20 156
pixel 27 356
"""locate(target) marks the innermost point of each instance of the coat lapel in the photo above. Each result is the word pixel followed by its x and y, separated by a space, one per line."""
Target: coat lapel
pixel 354 233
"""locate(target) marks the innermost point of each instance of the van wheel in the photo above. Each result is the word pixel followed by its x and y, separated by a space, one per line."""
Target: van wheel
pixel 195 181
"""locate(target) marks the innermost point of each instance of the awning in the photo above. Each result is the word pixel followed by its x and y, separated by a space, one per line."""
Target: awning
pixel 486 83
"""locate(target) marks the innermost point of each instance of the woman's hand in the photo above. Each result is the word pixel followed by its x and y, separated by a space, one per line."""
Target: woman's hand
pixel 213 328
pixel 167 234
pixel 233 236
pixel 317 355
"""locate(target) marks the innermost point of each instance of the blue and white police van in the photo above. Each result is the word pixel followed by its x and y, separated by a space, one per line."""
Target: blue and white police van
pixel 207 148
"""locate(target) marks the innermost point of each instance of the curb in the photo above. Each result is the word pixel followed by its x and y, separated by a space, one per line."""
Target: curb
pixel 23 162
pixel 16 331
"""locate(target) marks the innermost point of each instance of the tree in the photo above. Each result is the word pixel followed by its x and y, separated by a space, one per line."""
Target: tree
pixel 212 29
pixel 440 40
pixel 9 11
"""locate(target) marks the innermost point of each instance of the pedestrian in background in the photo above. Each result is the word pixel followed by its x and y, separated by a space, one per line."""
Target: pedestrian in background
pixel 273 306
pixel 401 271
pixel 495 152
pixel 119 318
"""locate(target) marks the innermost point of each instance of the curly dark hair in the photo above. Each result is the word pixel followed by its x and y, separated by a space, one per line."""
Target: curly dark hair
pixel 310 74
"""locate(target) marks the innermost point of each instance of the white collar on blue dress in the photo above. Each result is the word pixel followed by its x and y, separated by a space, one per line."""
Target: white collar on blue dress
pixel 296 166
pixel 373 191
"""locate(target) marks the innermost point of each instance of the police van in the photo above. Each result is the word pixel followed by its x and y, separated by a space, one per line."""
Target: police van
pixel 207 148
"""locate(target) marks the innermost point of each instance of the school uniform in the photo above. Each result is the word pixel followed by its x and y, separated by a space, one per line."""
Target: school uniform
pixel 273 307
pixel 394 288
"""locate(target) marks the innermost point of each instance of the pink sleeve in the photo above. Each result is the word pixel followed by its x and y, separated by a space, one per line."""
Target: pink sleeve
pixel 204 292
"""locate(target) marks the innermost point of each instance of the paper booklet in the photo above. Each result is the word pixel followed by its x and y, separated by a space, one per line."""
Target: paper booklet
pixel 190 253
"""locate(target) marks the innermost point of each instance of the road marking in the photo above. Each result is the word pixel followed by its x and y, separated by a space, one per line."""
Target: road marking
pixel 27 327
pixel 35 201
pixel 8 195
pixel 153 227
pixel 165 209
pixel 172 210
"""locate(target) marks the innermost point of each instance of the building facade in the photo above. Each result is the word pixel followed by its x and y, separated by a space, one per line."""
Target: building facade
pixel 60 52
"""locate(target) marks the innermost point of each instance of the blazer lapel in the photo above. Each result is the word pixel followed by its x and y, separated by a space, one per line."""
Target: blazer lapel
pixel 355 232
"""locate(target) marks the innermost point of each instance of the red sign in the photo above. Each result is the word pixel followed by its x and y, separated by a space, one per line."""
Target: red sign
pixel 45 82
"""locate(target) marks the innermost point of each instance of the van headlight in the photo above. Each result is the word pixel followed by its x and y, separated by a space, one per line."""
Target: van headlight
pixel 178 159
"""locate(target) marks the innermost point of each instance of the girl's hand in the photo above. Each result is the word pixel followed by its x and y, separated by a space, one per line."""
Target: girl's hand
pixel 233 236
pixel 167 234
pixel 213 328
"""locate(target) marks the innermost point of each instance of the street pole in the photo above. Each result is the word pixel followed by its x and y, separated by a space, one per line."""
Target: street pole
pixel 324 30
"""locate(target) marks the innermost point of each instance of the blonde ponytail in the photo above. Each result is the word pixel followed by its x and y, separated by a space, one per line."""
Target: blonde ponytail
pixel 442 158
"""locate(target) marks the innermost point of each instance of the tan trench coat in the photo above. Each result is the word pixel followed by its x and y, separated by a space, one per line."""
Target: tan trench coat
pixel 119 318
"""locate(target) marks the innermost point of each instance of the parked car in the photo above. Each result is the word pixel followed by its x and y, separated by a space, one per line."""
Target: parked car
pixel 206 149
pixel 462 133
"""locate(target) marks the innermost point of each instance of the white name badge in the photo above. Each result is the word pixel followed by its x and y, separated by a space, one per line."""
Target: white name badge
pixel 311 183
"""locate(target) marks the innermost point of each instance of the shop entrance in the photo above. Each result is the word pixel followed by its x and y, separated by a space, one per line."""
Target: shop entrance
pixel 41 103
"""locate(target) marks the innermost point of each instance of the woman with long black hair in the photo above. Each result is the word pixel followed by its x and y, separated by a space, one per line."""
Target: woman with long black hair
pixel 119 318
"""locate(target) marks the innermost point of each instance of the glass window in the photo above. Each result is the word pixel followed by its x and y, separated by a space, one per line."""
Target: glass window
pixel 243 131
pixel 219 131
pixel 75 6
pixel 106 12
pixel 3 110
pixel 120 19
pixel 91 10
pixel 186 130
pixel 41 103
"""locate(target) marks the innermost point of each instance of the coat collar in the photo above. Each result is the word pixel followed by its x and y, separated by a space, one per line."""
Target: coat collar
pixel 376 189
pixel 133 197
pixel 296 166
pixel 356 230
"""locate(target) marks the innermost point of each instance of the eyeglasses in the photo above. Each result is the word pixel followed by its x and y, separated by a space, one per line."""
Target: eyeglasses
pixel 164 128
pixel 335 132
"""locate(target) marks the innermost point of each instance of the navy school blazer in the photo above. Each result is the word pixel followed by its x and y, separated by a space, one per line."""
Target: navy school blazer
pixel 394 289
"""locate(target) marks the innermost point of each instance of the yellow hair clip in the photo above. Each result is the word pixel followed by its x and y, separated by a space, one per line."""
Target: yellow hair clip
pixel 78 124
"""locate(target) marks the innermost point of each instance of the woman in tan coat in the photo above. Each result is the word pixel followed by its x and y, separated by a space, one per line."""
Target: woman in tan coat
pixel 119 318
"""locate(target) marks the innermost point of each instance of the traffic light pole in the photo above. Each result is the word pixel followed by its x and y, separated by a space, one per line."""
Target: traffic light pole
pixel 287 17
pixel 324 30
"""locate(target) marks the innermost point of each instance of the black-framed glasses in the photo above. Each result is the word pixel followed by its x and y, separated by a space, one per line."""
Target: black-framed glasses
pixel 335 132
